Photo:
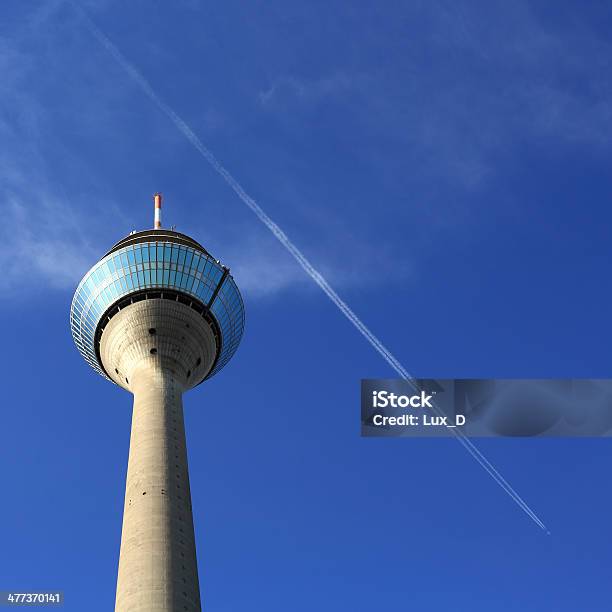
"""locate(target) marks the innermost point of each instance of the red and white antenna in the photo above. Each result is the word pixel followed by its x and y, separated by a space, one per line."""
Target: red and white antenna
pixel 157 198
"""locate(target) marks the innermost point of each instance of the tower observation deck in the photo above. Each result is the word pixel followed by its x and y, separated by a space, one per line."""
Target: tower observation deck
pixel 157 315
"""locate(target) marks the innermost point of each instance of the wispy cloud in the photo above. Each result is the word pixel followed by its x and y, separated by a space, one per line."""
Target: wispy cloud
pixel 462 84
pixel 537 83
pixel 39 248
pixel 49 239
pixel 290 89
pixel 263 270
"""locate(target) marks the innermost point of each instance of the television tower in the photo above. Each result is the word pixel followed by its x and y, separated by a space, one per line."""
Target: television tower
pixel 157 315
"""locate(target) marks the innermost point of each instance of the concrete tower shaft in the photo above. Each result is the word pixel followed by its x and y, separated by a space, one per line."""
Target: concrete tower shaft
pixel 157 562
pixel 157 349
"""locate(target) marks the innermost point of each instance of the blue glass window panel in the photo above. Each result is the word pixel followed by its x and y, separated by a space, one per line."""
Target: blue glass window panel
pixel 130 255
pixel 174 253
pixel 201 271
pixel 188 258
pixel 194 264
pixel 211 269
pixel 172 278
pixel 166 276
pixel 186 280
pixel 206 273
pixel 216 274
pixel 129 281
pixel 196 281
pixel 167 253
pixel 138 254
pixel 104 296
pixel 144 249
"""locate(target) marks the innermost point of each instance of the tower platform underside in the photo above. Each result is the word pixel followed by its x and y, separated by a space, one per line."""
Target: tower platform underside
pixel 158 334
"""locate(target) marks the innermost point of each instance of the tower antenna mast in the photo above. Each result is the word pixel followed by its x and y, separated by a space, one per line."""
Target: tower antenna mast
pixel 157 198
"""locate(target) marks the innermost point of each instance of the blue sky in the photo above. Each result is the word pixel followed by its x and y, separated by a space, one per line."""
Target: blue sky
pixel 444 164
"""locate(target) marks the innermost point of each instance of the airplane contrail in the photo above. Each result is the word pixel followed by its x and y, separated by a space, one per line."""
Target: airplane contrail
pixel 280 235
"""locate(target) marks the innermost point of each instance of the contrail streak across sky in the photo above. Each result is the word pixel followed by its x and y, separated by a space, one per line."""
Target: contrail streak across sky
pixel 316 276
